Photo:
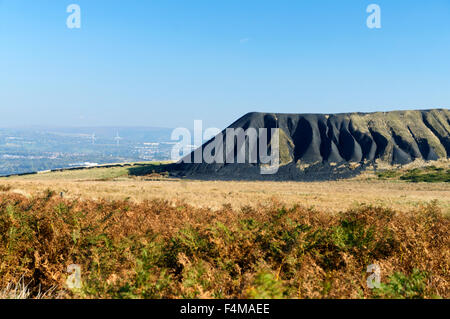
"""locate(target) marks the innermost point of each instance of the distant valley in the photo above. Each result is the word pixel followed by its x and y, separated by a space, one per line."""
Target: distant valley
pixel 32 149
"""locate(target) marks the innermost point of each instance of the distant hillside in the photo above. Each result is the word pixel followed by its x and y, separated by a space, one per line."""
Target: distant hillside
pixel 330 146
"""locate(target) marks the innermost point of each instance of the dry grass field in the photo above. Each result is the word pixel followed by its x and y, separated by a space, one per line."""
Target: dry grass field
pixel 116 184
pixel 154 237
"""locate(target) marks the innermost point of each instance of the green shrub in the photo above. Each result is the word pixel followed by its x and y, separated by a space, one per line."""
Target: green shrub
pixel 430 174
pixel 401 286
pixel 265 286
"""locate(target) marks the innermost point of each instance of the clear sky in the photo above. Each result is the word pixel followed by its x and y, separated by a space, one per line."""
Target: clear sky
pixel 166 63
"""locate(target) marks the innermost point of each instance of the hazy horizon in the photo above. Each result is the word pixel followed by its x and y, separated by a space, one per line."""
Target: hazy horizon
pixel 120 126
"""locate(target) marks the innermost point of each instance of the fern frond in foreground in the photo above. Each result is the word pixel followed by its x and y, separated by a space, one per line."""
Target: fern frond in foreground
pixel 159 249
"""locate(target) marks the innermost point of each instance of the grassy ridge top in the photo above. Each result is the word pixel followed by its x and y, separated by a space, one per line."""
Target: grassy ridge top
pixel 432 171
pixel 97 173
pixel 429 174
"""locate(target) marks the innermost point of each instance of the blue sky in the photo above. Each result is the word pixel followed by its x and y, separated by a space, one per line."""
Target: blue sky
pixel 167 63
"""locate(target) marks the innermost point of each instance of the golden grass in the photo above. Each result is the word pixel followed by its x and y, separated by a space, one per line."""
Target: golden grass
pixel 221 239
pixel 328 196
